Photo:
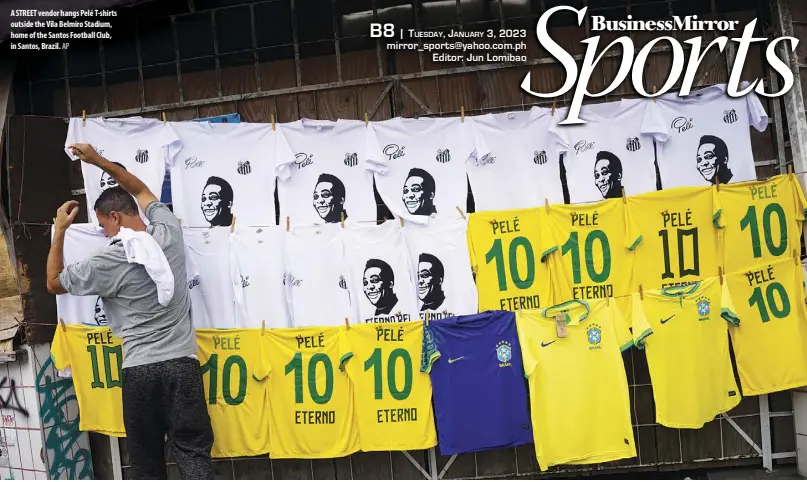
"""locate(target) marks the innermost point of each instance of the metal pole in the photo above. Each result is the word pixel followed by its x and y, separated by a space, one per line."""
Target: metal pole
pixel 433 463
pixel 765 419
pixel 114 450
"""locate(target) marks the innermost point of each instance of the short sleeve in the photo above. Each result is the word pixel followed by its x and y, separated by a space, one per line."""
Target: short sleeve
pixel 798 194
pixel 479 146
pixel 171 142
pixel 621 328
pixel 527 355
pixel 717 208
pixel 59 350
pixel 641 328
pixel 633 233
pixel 727 311
pixel 557 133
pixel 653 123
pixel 757 117
pixel 345 350
pixel 377 162
pixel 95 275
pixel 284 155
pixel 73 137
pixel 263 366
pixel 430 352
pixel 471 252
pixel 546 234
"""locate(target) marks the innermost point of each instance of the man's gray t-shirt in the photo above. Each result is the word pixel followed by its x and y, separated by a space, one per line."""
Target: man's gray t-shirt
pixel 150 332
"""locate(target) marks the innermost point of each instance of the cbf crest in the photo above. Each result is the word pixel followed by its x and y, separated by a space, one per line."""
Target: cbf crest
pixel 504 352
pixel 704 309
pixel 594 333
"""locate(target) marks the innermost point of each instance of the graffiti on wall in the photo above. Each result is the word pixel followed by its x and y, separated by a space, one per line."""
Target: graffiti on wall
pixel 9 399
pixel 65 456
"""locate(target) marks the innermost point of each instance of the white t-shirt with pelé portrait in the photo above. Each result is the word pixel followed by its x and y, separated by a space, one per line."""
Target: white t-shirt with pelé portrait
pixel 207 252
pixel 82 240
pixel 709 137
pixel 613 150
pixel 141 146
pixel 326 177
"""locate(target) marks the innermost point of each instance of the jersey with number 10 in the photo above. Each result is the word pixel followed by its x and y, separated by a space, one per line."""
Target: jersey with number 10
pixel 679 236
pixel 761 220
pixel 393 397
pixel 311 411
pixel 770 345
pixel 503 246
pixel 236 401
pixel 95 357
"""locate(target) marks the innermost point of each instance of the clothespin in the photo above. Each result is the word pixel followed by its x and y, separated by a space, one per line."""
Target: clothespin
pixel 462 113
pixel 347 324
pixel 402 223
pixel 54 220
pixel 232 225
pixel 720 274
pixel 790 168
pixel 460 211
pixel 654 93
pixel 717 184
pixel 263 327
pixel 624 199
pixel 165 120
pixel 288 224
pixel 427 318
pixel 342 218
pixel 554 105
pixel 796 257
pixel 546 204
pixel 272 116
pixel 61 323
pixel 84 117
pixel 366 120
pixel 641 293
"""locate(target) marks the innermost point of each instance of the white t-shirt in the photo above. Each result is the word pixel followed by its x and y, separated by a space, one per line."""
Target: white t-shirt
pixel 257 271
pixel 420 165
pixel 80 242
pixel 326 173
pixel 614 149
pixel 142 146
pixel 709 137
pixel 444 281
pixel 523 166
pixel 224 170
pixel 212 295
pixel 380 273
pixel 316 276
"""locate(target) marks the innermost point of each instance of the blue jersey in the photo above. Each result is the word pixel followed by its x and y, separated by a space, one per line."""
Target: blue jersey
pixel 480 392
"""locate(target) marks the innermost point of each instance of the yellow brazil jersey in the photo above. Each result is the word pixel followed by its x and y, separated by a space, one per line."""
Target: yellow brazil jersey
pixel 393 397
pixel 579 401
pixel 503 246
pixel 770 345
pixel 679 236
pixel 311 412
pixel 761 221
pixel 95 358
pixel 684 330
pixel 591 247
pixel 238 404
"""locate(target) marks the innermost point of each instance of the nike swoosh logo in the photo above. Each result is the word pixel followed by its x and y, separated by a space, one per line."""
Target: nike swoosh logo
pixel 452 360
pixel 544 344
pixel 666 319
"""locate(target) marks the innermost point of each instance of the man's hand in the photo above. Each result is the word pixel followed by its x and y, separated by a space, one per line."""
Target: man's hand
pixel 85 152
pixel 66 214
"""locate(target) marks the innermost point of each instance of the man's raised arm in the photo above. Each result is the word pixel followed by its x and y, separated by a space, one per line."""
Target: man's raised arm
pixel 126 179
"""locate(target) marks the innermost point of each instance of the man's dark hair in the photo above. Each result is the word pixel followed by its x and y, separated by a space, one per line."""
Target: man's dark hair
pixel 386 271
pixel 115 199
pixel 428 180
pixel 338 189
pixel 438 271
pixel 721 150
pixel 614 163
pixel 226 192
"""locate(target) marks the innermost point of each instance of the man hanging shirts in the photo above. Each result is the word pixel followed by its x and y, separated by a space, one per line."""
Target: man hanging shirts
pixel 80 242
pixel 463 354
pixel 237 403
pixel 761 221
pixel 503 247
pixel 141 146
pixel 683 329
pixel 257 270
pixel 311 415
pixel 439 255
pixel 591 248
pixel 709 138
pixel 211 291
pixel 225 170
pixel 578 390
pixel 393 397
pixel 770 345
pixel 316 277
pixel 523 166
pixel 420 165
pixel 95 358
pixel 679 236
pixel 380 273
pixel 325 178
pixel 613 150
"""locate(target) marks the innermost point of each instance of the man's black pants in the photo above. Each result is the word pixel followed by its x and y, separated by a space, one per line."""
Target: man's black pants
pixel 167 397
